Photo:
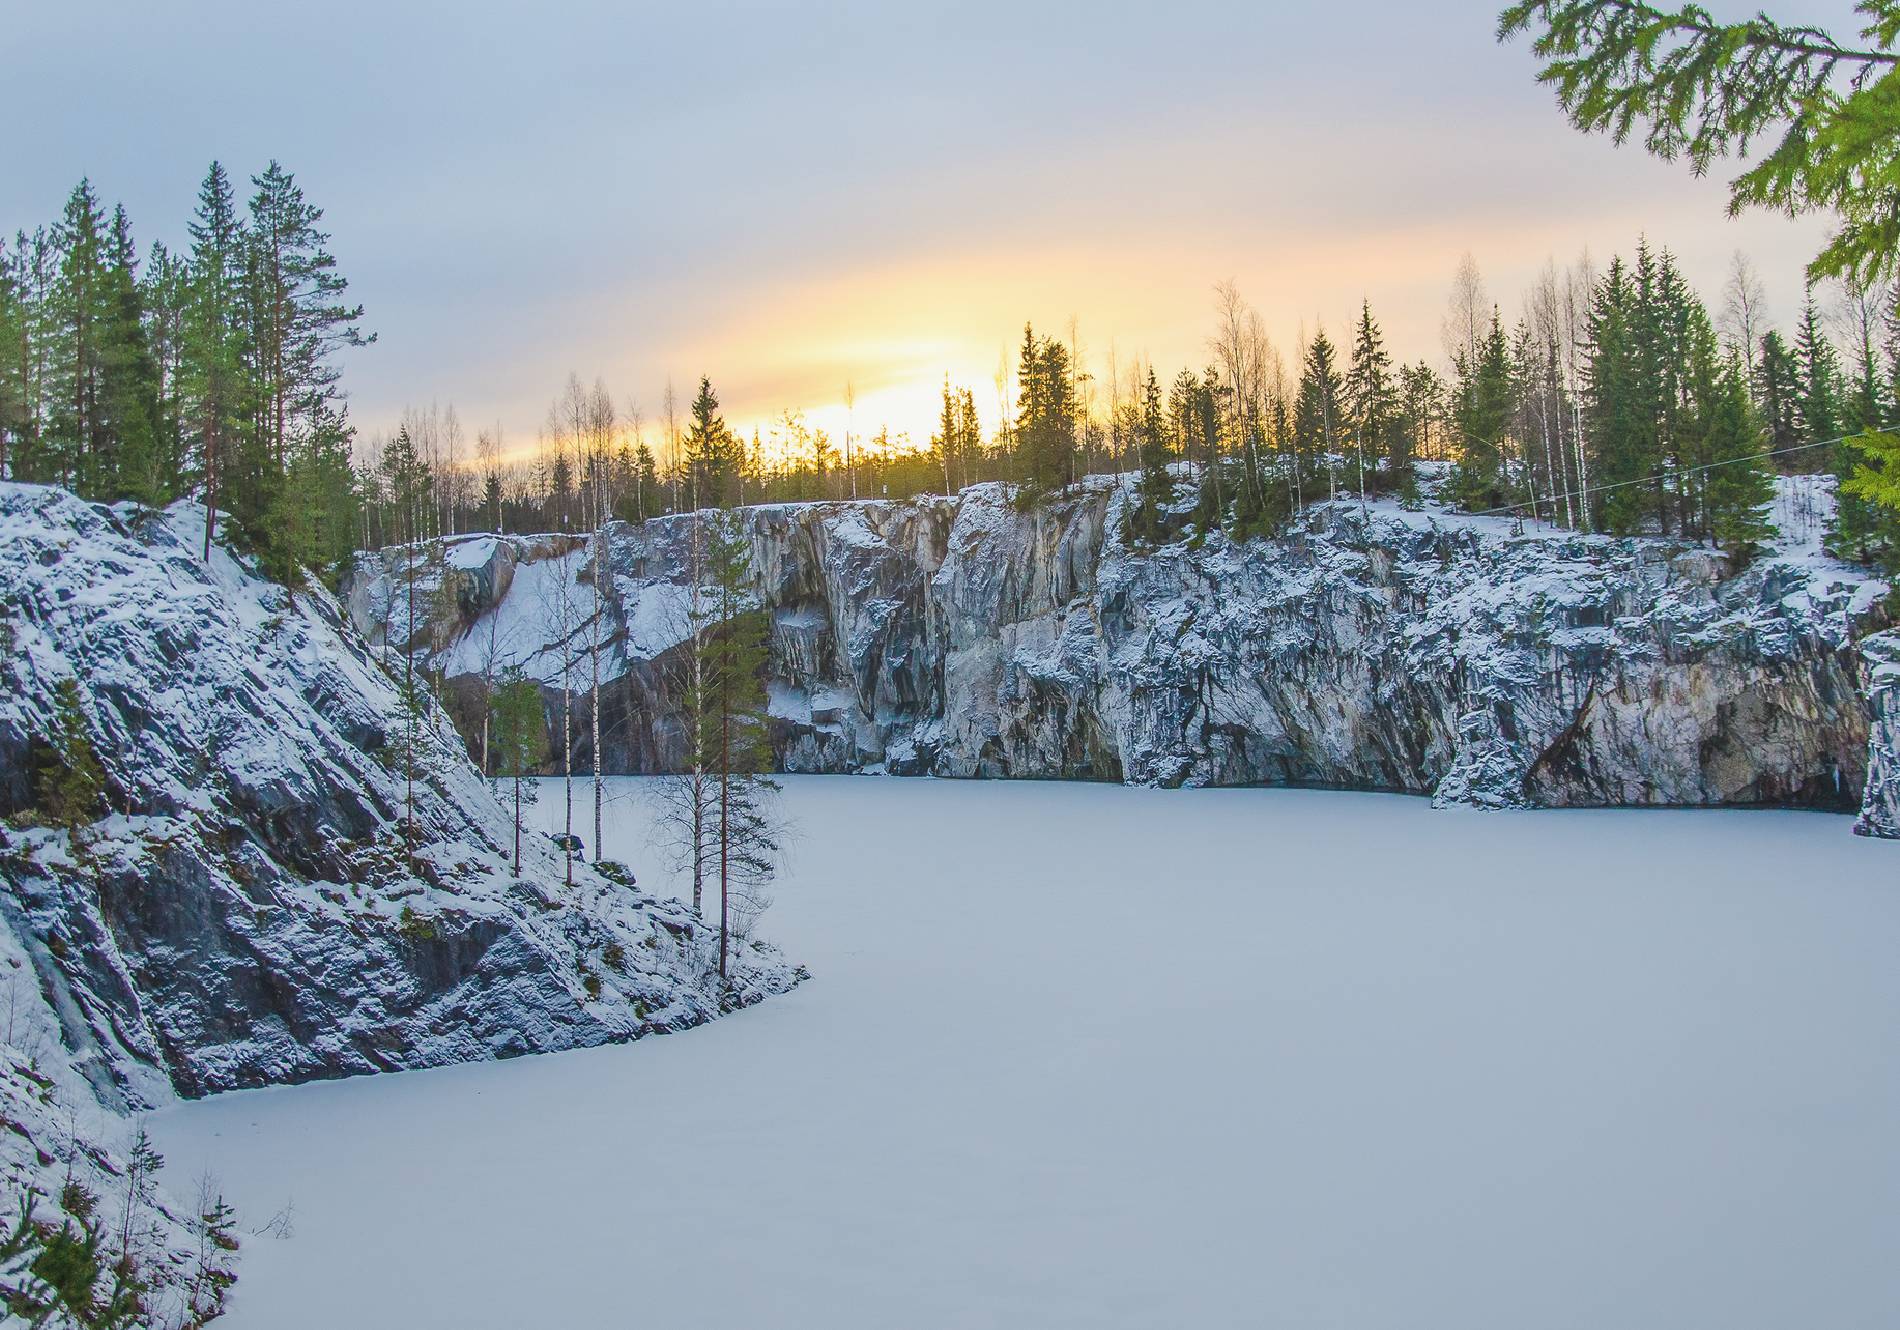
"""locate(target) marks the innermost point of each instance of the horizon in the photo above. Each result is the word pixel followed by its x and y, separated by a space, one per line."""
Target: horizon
pixel 789 269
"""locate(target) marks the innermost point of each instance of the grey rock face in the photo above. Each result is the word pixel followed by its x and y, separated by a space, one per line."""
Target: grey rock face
pixel 1880 808
pixel 1374 648
pixel 249 912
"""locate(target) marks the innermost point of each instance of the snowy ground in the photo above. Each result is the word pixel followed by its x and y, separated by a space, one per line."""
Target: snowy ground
pixel 1087 1056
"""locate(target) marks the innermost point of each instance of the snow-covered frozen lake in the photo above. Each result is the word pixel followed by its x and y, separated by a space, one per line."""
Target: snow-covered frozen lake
pixel 1087 1056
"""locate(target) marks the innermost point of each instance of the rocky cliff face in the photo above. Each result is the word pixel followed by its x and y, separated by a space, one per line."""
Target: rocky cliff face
pixel 1370 647
pixel 247 912
pixel 1880 667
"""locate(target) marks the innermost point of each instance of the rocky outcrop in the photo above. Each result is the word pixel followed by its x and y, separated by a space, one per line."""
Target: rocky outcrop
pixel 250 910
pixel 1880 807
pixel 1369 647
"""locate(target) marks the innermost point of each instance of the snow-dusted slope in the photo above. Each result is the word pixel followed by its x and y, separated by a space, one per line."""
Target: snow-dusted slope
pixel 1371 647
pixel 247 913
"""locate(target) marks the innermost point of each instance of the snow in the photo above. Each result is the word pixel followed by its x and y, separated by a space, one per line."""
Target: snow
pixel 1093 1056
pixel 471 553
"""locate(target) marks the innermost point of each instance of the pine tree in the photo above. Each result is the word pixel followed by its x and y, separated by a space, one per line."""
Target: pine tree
pixel 213 384
pixel 296 322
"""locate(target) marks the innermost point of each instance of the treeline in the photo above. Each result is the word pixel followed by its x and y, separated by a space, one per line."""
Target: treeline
pixel 212 368
pixel 1615 401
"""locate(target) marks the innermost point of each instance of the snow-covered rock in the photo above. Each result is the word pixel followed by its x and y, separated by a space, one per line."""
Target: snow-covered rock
pixel 1370 646
pixel 1880 807
pixel 247 912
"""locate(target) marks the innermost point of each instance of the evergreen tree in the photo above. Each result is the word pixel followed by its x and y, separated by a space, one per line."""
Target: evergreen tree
pixel 1372 409
pixel 79 446
pixel 1704 89
pixel 520 738
pixel 165 294
pixel 213 385
pixel 1483 417
pixel 947 441
pixel 732 734
pixel 32 276
pixel 14 402
pixel 296 322
pixel 315 512
pixel 1317 411
pixel 1045 414
pixel 1155 488
pixel 72 783
pixel 1621 436
pixel 1778 393
pixel 713 454
pixel 129 396
pixel 1818 404
pixel 61 1276
pixel 1421 412
pixel 1737 486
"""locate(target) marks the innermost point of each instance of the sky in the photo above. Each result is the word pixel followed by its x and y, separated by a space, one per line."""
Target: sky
pixel 793 198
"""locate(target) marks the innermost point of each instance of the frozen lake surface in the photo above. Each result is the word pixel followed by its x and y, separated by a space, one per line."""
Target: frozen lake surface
pixel 1087 1056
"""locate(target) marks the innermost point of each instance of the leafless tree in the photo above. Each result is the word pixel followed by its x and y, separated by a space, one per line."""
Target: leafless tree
pixel 488 458
pixel 1466 313
pixel 1744 309
pixel 1579 283
pixel 600 425
pixel 1241 346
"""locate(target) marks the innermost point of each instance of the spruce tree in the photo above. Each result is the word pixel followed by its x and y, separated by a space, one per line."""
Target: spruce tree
pixel 1317 411
pixel 713 453
pixel 1703 89
pixel 72 783
pixel 315 511
pixel 1614 403
pixel 1818 404
pixel 1372 410
pixel 129 398
pixel 1483 418
pixel 520 739
pixel 165 294
pixel 1155 488
pixel 733 735
pixel 1737 485
pixel 1045 414
pixel 1777 394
